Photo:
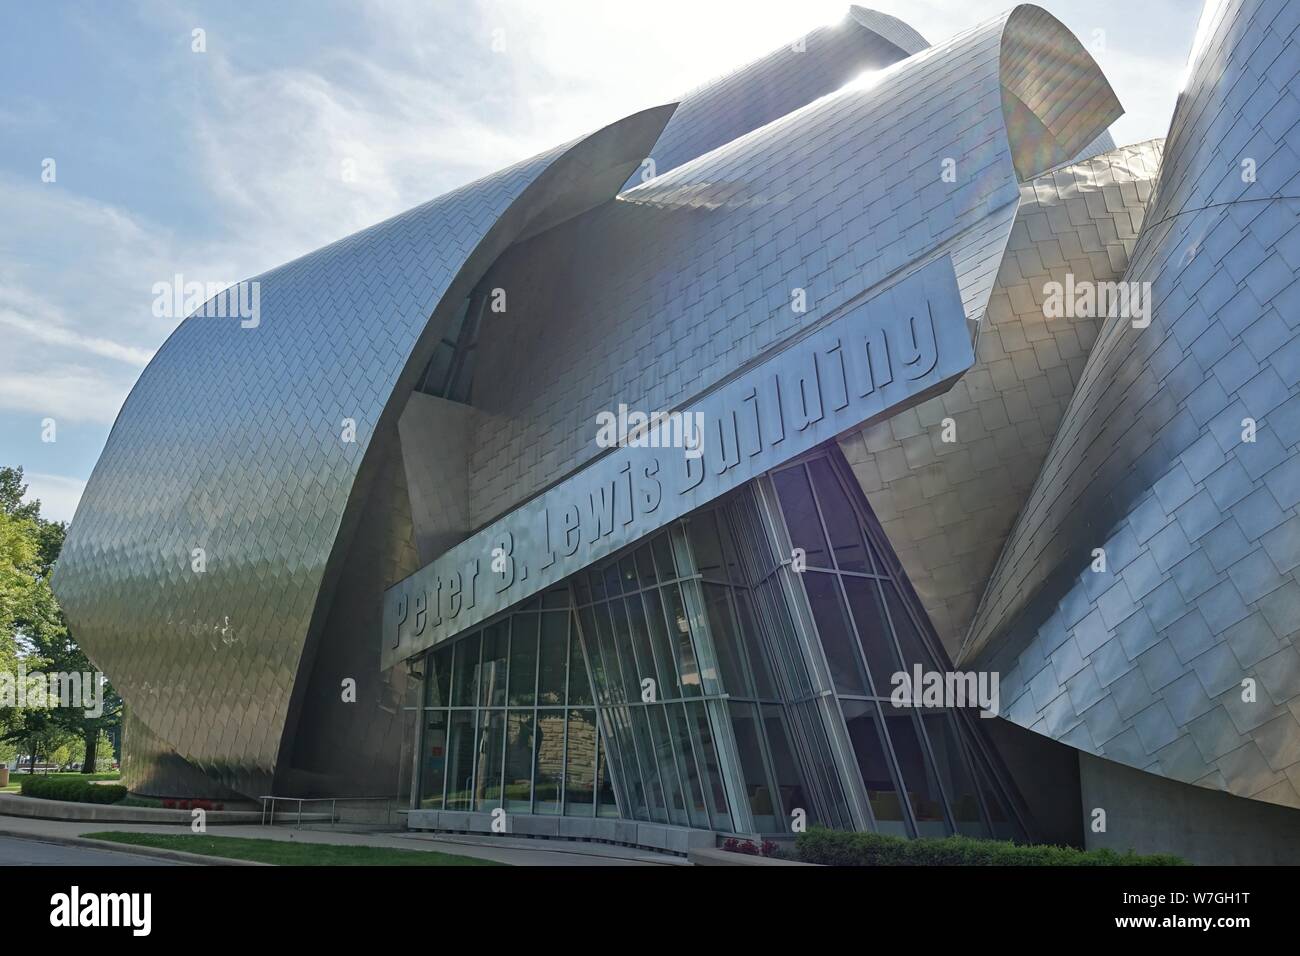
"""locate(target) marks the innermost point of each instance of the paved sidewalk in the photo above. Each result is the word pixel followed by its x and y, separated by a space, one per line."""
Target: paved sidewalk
pixel 515 851
pixel 15 805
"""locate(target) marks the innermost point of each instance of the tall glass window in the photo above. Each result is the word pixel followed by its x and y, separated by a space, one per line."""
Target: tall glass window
pixel 509 720
pixel 659 704
pixel 731 671
pixel 918 772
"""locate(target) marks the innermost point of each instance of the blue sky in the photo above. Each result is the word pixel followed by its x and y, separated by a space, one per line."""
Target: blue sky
pixel 303 122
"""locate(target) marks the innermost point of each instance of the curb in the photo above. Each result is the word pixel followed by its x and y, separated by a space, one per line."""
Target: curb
pixel 542 845
pixel 39 808
pixel 175 856
pixel 728 858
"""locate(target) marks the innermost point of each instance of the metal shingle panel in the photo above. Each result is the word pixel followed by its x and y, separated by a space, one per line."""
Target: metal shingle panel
pixel 1199 500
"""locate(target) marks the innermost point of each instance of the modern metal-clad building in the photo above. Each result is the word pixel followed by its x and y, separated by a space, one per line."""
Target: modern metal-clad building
pixel 1179 458
pixel 616 495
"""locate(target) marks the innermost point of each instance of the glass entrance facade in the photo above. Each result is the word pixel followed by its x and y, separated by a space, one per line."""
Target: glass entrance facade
pixel 924 772
pixel 509 721
pixel 731 672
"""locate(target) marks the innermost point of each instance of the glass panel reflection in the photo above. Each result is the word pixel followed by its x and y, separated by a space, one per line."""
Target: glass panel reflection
pixel 789 783
pixel 1001 823
pixel 726 642
pixel 833 628
pixel 801 517
pixel 580 764
pixel 579 681
pixel 679 626
pixel 437 678
pixel 464 685
pixel 877 777
pixel 664 652
pixel 679 682
pixel 758 788
pixel 460 760
pixel 702 528
pixel 523 659
pixel 710 773
pixel 519 761
pixel 549 773
pixel 914 651
pixel 874 636
pixel 918 776
pixel 697 810
pixel 606 803
pixel 954 774
pixel 487 766
pixel 847 540
pixel 434 764
pixel 552 669
pixel 669 771
pixel 883 632
pixel 492 670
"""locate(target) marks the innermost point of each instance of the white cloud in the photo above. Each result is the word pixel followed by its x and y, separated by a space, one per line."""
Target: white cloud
pixel 93 263
pixel 256 133
pixel 64 392
pixel 294 159
pixel 419 102
pixel 58 334
pixel 76 303
pixel 58 494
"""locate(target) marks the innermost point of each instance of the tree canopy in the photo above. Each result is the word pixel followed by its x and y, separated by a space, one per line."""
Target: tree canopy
pixel 33 632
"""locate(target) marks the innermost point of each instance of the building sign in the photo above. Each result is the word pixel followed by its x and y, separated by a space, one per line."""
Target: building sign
pixel 893 350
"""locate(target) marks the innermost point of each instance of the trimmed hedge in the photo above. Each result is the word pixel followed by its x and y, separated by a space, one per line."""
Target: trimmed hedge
pixel 75 791
pixel 840 848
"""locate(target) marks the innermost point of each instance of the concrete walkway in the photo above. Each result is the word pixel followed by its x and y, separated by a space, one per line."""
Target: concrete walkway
pixel 15 805
pixel 514 851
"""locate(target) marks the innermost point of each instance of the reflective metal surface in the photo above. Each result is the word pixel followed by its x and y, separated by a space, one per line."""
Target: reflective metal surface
pixel 948 506
pixel 726 108
pixel 262 484
pixel 727 687
pixel 656 297
pixel 234 441
pixel 913 771
pixel 1181 658
pixel 900 345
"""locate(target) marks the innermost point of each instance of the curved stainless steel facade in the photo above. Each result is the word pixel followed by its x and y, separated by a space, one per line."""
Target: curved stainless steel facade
pixel 1181 658
pixel 949 505
pixel 234 441
pixel 701 260
pixel 299 458
pixel 781 82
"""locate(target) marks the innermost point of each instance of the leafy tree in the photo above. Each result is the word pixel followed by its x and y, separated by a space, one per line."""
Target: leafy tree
pixel 18 551
pixel 17 556
pixel 34 631
pixel 12 490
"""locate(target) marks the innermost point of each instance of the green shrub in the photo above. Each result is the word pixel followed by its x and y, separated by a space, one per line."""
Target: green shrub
pixel 76 791
pixel 840 848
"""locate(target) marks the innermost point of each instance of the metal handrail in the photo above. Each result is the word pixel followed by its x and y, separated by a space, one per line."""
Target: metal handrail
pixel 333 802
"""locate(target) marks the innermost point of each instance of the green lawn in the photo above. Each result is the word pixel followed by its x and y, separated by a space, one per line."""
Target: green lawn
pixel 284 853
pixel 16 778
